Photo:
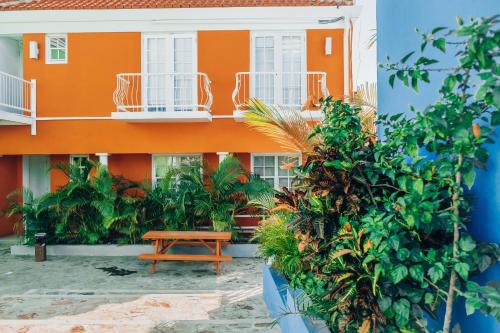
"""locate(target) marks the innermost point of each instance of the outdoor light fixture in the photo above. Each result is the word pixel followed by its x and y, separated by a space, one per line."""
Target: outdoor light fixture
pixel 332 20
pixel 33 49
pixel 328 46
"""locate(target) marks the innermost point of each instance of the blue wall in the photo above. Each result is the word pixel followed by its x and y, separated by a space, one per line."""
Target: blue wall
pixel 396 36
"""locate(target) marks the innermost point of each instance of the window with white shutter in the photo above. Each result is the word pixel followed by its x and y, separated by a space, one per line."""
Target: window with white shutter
pixel 56 49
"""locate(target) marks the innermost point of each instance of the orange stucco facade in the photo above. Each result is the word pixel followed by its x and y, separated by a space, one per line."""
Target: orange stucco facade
pixel 84 88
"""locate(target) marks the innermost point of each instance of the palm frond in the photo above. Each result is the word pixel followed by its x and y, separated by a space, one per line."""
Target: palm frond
pixel 226 175
pixel 365 98
pixel 286 126
pixel 372 40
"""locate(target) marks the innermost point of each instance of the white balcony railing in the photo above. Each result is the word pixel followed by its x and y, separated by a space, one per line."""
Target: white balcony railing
pixel 162 92
pixel 17 101
pixel 299 90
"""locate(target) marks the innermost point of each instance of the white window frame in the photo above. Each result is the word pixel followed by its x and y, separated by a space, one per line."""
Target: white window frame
pixel 75 156
pixel 278 63
pixel 170 37
pixel 48 58
pixel 154 178
pixel 276 165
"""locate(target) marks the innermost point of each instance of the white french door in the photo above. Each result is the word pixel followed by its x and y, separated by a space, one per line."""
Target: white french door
pixel 36 175
pixel 278 68
pixel 169 71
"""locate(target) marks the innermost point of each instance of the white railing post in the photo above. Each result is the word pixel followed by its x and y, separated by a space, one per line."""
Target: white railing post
pixel 33 106
pixel 236 91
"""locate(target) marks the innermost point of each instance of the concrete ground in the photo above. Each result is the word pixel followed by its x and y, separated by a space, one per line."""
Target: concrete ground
pixel 119 294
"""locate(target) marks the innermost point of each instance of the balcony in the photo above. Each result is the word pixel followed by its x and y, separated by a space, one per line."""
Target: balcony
pixel 162 97
pixel 298 90
pixel 17 101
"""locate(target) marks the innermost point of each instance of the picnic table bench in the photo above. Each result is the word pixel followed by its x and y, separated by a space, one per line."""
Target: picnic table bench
pixel 164 240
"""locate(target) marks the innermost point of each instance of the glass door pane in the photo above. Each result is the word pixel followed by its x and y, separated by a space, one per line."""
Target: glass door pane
pixel 184 77
pixel 264 80
pixel 292 76
pixel 155 80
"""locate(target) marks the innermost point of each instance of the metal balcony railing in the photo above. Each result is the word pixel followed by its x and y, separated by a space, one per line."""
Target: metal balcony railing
pixel 162 92
pixel 16 94
pixel 17 101
pixel 298 90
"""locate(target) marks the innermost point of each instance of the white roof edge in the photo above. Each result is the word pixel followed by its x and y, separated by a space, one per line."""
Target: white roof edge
pixel 115 20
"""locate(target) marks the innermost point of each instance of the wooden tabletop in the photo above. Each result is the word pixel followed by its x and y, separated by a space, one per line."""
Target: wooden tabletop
pixel 187 235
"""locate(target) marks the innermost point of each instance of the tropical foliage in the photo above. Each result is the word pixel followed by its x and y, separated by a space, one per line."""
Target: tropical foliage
pixel 381 225
pixel 95 207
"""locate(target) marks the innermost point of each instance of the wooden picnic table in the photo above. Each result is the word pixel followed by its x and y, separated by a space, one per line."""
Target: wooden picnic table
pixel 164 240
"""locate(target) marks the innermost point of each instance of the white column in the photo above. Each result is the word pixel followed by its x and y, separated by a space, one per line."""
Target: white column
pixel 222 155
pixel 103 158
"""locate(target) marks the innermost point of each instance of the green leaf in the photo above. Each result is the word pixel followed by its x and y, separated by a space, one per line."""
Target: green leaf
pixel 483 263
pixel 440 44
pixel 436 272
pixel 428 298
pixel 495 118
pixel 449 83
pixel 438 29
pixel 472 304
pixel 469 178
pixel 402 310
pixel 406 57
pixel 417 273
pixel 462 269
pixel 384 302
pixel 414 83
pixel 403 254
pixel 418 186
pixel 398 273
pixel 467 244
pixel 378 271
pixel 392 77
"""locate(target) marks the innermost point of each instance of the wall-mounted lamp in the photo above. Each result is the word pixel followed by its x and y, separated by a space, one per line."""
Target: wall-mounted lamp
pixel 33 49
pixel 328 46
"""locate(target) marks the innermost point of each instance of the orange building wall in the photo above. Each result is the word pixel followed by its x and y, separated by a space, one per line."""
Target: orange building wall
pixel 84 87
pixel 10 180
pixel 221 54
pixel 333 64
pixel 136 167
pixel 57 177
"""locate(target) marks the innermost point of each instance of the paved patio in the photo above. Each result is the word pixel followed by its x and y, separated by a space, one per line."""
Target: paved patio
pixel 119 294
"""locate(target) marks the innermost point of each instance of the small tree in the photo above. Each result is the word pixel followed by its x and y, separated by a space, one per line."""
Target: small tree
pixel 455 130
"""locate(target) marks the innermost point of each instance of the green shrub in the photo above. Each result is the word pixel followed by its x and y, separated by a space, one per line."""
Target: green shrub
pixel 95 207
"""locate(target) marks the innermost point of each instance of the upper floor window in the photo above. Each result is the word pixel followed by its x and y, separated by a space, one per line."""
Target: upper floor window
pixel 169 72
pixel 56 49
pixel 161 163
pixel 278 66
pixel 277 169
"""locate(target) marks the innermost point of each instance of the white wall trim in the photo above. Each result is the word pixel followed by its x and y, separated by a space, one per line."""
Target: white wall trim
pixel 172 19
pixel 222 116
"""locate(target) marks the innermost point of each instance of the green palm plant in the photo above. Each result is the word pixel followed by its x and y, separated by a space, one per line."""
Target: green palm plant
pixel 32 215
pixel 227 191
pixel 84 203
